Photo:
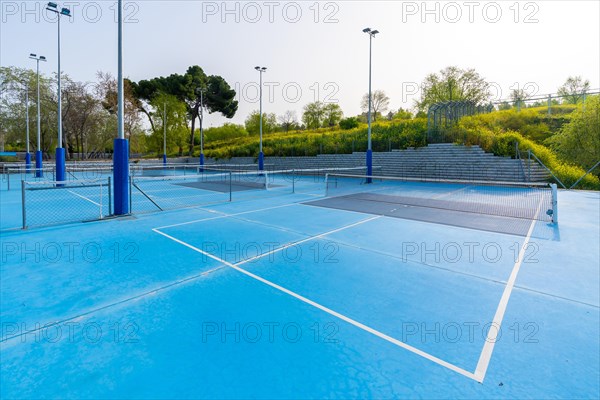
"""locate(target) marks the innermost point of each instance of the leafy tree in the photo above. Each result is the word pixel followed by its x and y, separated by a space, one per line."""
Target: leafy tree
pixel 579 140
pixel 453 84
pixel 349 123
pixel 403 114
pixel 252 123
pixel 379 104
pixel 176 123
pixel 313 115
pixel 573 89
pixel 13 82
pixel 225 132
pixel 518 96
pixel 505 105
pixel 288 121
pixel 332 114
pixel 217 95
pixel 106 91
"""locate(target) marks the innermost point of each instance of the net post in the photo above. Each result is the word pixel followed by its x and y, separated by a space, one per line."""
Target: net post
pixel 293 180
pixel 8 180
pixel 110 198
pixel 554 188
pixel 230 187
pixel 326 184
pixel 23 204
pixel 267 180
pixel 101 216
pixel 130 195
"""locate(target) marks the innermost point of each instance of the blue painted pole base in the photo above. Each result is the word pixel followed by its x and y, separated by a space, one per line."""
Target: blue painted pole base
pixel 121 176
pixel 61 173
pixel 369 165
pixel 38 164
pixel 28 162
pixel 201 162
pixel 164 159
pixel 261 161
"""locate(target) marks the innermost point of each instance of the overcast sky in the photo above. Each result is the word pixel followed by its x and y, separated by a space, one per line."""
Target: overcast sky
pixel 316 50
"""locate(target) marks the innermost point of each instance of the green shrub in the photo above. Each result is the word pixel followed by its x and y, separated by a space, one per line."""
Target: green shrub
pixel 349 123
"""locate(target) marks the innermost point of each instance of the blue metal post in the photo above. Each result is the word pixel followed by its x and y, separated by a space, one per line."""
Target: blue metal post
pixel 261 155
pixel 28 162
pixel 38 164
pixel 60 165
pixel 27 154
pixel 121 145
pixel 60 151
pixel 121 176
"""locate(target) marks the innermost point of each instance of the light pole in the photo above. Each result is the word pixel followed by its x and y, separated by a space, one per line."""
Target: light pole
pixel 371 34
pixel 165 135
pixel 201 131
pixel 60 151
pixel 27 153
pixel 38 152
pixel 261 155
pixel 120 144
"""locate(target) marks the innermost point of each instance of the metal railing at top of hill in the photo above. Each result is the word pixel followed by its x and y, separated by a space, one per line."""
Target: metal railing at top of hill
pixel 532 157
pixel 441 116
pixel 584 175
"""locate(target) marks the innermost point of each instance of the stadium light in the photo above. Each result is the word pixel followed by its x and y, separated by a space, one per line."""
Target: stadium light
pixel 371 34
pixel 60 151
pixel 165 135
pixel 120 144
pixel 201 129
pixel 38 152
pixel 261 155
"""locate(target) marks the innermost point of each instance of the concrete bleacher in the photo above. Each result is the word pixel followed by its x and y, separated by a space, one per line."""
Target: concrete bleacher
pixel 436 161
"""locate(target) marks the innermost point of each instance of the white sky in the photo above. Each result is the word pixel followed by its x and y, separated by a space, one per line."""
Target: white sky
pixel 315 50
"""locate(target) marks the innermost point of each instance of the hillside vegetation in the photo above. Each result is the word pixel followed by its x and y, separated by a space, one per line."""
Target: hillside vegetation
pixel 496 132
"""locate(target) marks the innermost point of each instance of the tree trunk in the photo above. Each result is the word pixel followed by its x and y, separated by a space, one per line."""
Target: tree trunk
pixel 192 134
pixel 142 109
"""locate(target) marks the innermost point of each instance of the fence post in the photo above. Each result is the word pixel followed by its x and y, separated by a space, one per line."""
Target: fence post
pixel 23 204
pixel 101 198
pixel 549 104
pixel 110 198
pixel 529 164
pixel 130 195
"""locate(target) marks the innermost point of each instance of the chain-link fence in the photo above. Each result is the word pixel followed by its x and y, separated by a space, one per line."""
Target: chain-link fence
pixel 50 202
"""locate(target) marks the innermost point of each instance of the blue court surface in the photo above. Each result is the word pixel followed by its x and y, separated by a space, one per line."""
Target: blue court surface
pixel 275 297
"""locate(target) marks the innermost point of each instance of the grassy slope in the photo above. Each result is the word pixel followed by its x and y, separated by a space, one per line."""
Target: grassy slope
pixel 495 132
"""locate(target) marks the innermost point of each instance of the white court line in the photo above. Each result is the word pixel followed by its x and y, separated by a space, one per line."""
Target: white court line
pixel 85 198
pixel 349 320
pixel 223 215
pixel 490 340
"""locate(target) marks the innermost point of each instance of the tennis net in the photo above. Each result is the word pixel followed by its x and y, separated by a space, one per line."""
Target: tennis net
pixel 216 185
pixel 179 191
pixel 505 199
